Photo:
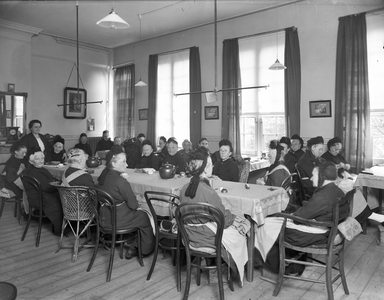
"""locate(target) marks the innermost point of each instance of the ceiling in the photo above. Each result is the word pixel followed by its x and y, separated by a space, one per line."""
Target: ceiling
pixel 158 17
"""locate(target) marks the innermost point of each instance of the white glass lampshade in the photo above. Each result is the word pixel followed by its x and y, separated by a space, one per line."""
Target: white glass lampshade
pixel 140 83
pixel 277 66
pixel 113 21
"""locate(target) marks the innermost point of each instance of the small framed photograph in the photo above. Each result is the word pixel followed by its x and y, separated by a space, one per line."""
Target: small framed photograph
pixel 320 109
pixel 11 87
pixel 91 124
pixel 75 103
pixel 143 114
pixel 211 112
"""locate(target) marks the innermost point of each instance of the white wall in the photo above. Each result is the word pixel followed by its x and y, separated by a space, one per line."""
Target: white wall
pixel 317 23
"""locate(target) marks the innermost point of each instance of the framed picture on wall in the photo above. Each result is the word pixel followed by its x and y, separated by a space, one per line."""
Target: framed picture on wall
pixel 75 103
pixel 11 87
pixel 143 114
pixel 211 112
pixel 91 124
pixel 320 109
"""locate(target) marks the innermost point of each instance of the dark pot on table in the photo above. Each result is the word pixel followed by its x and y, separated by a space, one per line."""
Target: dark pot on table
pixel 167 171
pixel 93 162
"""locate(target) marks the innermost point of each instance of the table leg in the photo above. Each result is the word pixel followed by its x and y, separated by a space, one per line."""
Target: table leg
pixel 251 246
pixel 365 224
pixel 380 201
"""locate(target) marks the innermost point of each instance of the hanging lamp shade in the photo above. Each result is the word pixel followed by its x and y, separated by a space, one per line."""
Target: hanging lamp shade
pixel 140 83
pixel 113 21
pixel 277 66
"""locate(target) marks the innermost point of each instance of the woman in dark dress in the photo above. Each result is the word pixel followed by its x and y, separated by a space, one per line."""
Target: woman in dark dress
pixel 148 159
pixel 277 172
pixel 13 167
pixel 51 200
pixel 112 181
pixel 83 145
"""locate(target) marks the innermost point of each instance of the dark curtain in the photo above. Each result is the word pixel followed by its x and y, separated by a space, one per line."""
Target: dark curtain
pixel 125 101
pixel 195 99
pixel 292 81
pixel 152 91
pixel 352 109
pixel 231 99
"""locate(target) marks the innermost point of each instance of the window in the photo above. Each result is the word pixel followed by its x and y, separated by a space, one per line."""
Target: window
pixel 172 113
pixel 263 117
pixel 375 37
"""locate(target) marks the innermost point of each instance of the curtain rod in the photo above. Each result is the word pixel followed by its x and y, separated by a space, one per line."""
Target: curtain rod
pixel 262 33
pixel 123 65
pixel 368 12
pixel 172 51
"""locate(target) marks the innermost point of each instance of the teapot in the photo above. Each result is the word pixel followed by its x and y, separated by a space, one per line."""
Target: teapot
pixel 93 162
pixel 167 171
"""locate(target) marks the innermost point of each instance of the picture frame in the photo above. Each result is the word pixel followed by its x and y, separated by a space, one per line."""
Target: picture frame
pixel 211 112
pixel 320 109
pixel 11 87
pixel 143 114
pixel 75 108
pixel 91 124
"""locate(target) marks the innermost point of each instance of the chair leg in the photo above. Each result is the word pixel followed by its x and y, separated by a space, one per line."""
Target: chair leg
pixel 178 269
pixel 342 272
pixel 19 217
pixel 139 248
pixel 198 277
pixel 76 245
pixel 96 247
pixel 155 253
pixel 28 222
pixel 328 276
pixel 2 205
pixel 111 257
pixel 280 277
pixel 39 228
pixel 62 233
pixel 188 281
pixel 220 279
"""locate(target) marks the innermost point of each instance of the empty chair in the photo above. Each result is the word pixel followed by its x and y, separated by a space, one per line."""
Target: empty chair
pixel 170 201
pixel 10 196
pixel 78 209
pixel 113 236
pixel 187 212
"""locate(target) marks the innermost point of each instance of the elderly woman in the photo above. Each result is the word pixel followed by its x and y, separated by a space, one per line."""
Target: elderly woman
pixel 58 154
pixel 75 174
pixel 51 199
pixel 35 139
pixel 199 190
pixel 226 168
pixel 163 145
pixel 13 167
pixel 277 171
pixel 111 180
pixel 187 150
pixel 148 159
pixel 83 144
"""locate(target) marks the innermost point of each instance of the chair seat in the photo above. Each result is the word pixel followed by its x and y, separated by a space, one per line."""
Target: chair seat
pixel 7 291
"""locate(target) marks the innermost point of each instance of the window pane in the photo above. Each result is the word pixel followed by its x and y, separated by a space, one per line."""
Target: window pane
pixel 172 113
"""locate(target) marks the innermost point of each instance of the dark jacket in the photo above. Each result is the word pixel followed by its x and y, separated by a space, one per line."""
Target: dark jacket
pixel 226 170
pixel 29 141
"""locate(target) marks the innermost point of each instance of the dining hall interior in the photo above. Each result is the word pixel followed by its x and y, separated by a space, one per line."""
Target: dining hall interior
pixel 170 72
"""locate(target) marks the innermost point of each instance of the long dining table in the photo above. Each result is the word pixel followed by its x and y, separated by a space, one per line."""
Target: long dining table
pixel 254 201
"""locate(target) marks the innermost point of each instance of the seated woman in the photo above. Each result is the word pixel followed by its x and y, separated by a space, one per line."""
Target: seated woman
pixel 187 150
pixel 199 190
pixel 148 159
pixel 83 144
pixel 111 180
pixel 51 200
pixel 75 174
pixel 277 171
pixel 226 168
pixel 58 154
pixel 13 167
pixel 318 207
pixel 162 148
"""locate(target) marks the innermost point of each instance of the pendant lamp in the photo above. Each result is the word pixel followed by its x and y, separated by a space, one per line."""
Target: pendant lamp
pixel 140 83
pixel 277 66
pixel 113 21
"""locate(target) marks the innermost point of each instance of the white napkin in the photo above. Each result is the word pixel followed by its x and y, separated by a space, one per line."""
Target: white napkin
pixel 148 171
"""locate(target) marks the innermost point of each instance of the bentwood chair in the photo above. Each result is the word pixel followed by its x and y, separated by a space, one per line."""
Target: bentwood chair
pixel 303 195
pixel 11 197
pixel 290 186
pixel 185 214
pixel 32 185
pixel 165 202
pixel 112 236
pixel 333 250
pixel 77 209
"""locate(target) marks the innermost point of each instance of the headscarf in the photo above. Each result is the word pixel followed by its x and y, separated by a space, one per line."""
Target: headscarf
pixel 334 141
pixel 274 144
pixel 315 141
pixel 115 150
pixel 200 154
pixel 327 171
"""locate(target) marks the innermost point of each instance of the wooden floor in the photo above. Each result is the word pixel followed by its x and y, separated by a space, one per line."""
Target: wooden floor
pixel 40 273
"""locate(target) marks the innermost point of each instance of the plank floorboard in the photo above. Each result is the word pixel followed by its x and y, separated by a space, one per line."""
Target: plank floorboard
pixel 40 273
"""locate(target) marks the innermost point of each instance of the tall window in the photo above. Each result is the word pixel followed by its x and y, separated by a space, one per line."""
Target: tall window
pixel 263 114
pixel 375 38
pixel 172 113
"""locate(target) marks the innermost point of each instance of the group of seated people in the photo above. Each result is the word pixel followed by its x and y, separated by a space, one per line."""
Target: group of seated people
pixel 324 177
